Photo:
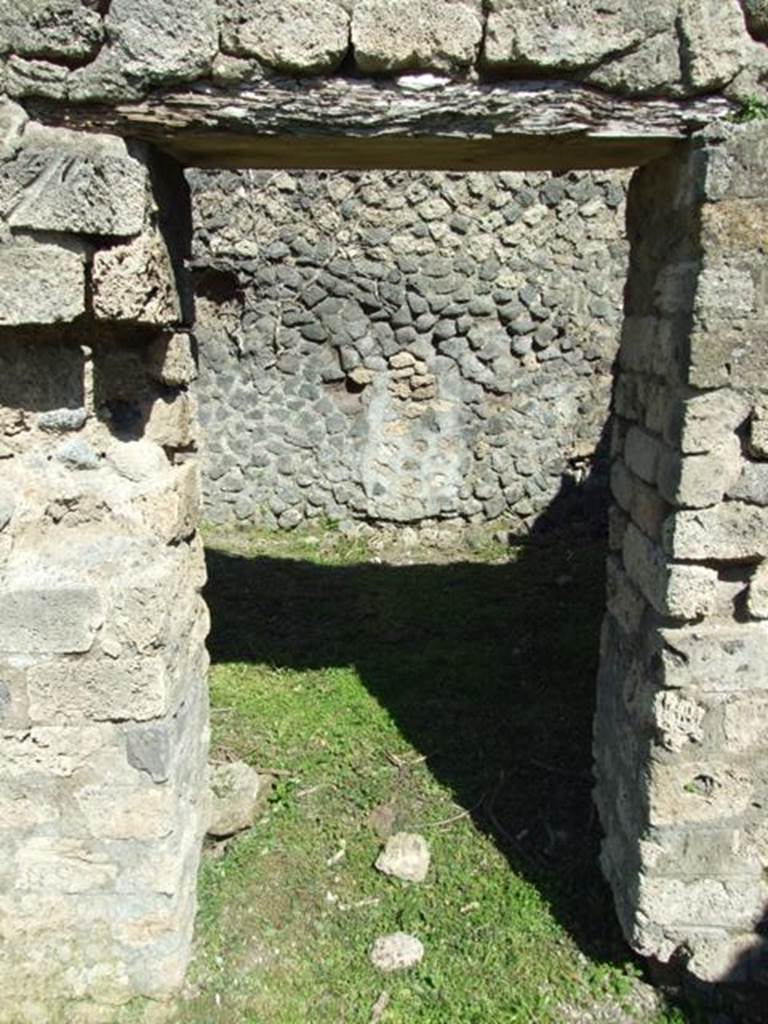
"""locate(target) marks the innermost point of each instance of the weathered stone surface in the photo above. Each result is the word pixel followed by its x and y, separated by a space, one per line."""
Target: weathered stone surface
pixel 396 952
pixel 700 423
pixel 147 42
pixel 7 505
pixel 652 67
pixel 733 531
pixel 714 42
pixel 641 454
pixel 171 359
pixel 64 181
pixel 63 29
pixel 727 353
pixel 238 793
pixel 13 118
pixel 48 620
pixel 680 591
pixel 359 123
pixel 690 792
pixel 736 226
pixel 115 811
pixel 736 166
pixel 405 856
pixel 716 658
pixel 758 432
pixel 751 484
pixel 416 35
pixel 172 422
pixel 67 865
pixel 757 597
pixel 678 718
pixel 36 78
pixel 42 283
pixel 139 460
pixel 698 481
pixel 291 35
pixel 60 752
pixel 727 292
pixel 569 35
pixel 149 749
pixel 134 281
pixel 126 690
pixel 703 902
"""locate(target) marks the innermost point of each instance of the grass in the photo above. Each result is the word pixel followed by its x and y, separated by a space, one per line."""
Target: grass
pixel 446 694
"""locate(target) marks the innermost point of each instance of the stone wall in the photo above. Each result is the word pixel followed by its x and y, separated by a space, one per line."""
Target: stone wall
pixel 682 722
pixel 406 347
pixel 103 703
pixel 87 51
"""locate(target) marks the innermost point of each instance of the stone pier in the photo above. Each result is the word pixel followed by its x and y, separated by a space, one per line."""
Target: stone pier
pixel 681 733
pixel 103 705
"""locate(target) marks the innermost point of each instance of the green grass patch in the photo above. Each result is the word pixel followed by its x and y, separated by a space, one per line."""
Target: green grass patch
pixel 449 694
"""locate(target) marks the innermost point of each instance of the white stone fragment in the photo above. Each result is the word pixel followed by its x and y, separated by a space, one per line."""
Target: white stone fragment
pixel 396 952
pixel 237 793
pixel 406 856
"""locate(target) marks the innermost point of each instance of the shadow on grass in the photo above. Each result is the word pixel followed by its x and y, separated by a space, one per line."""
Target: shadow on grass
pixel 487 669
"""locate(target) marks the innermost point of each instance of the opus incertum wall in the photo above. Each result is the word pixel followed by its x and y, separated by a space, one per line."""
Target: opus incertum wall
pixel 399 347
pixel 102 663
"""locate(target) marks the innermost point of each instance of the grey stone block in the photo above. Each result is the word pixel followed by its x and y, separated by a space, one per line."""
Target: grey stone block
pixel 730 532
pixel 416 35
pixel 289 34
pixel 43 283
pixel 149 749
pixel 48 620
pixel 65 181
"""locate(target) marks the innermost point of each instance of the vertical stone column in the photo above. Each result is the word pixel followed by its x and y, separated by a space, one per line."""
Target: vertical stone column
pixel 681 734
pixel 103 709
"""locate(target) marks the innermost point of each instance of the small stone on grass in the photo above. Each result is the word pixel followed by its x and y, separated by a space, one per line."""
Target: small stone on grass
pixel 405 856
pixel 396 952
pixel 237 796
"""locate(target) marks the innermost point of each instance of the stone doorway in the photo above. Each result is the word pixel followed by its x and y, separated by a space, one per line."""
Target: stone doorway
pixel 102 627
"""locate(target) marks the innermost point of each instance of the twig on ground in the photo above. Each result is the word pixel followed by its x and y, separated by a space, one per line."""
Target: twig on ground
pixel 313 789
pixel 464 813
pixel 445 821
pixel 531 860
pixel 401 762
pixel 379 1007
